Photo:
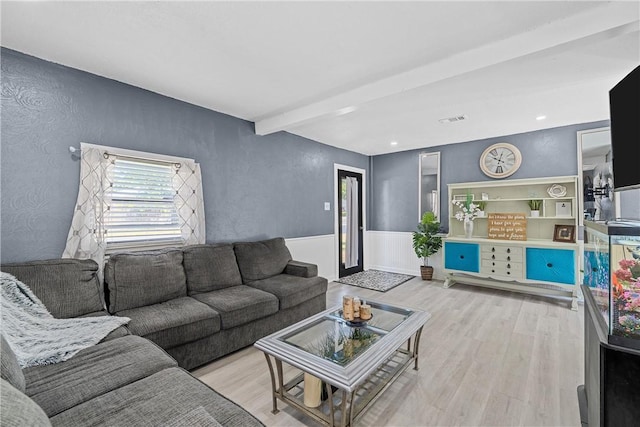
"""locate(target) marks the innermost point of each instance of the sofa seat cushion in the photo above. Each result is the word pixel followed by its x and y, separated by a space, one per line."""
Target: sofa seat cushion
pixel 119 332
pixel 210 267
pixel 292 290
pixel 195 417
pixel 259 260
pixel 94 371
pixel 240 304
pixel 139 279
pixel 67 287
pixel 159 399
pixel 173 322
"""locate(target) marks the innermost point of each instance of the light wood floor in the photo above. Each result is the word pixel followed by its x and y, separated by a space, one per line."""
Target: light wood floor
pixel 487 358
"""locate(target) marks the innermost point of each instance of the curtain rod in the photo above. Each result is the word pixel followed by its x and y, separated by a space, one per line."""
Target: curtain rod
pixel 78 151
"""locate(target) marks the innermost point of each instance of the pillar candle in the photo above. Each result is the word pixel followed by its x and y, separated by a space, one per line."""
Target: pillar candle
pixel 347 307
pixel 312 391
pixel 365 311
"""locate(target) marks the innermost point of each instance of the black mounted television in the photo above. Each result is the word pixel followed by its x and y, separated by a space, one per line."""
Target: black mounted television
pixel 624 110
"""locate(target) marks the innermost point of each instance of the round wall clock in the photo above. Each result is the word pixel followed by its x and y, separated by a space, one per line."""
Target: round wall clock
pixel 500 160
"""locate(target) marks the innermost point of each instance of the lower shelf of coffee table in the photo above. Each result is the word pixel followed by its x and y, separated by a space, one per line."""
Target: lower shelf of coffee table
pixel 341 407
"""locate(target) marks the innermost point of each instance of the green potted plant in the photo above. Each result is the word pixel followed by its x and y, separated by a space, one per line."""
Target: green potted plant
pixel 534 205
pixel 426 243
pixel 481 206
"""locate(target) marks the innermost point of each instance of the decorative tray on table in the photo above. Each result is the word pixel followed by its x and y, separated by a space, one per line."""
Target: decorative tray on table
pixel 357 321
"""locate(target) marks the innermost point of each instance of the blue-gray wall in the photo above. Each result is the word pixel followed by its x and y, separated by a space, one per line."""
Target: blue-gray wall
pixel 394 177
pixel 254 186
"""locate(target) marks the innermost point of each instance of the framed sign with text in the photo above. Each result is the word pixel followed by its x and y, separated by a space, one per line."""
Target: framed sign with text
pixel 507 226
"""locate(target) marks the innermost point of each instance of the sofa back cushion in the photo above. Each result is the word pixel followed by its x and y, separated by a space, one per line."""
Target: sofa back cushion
pixel 67 287
pixel 144 278
pixel 263 259
pixel 9 368
pixel 210 267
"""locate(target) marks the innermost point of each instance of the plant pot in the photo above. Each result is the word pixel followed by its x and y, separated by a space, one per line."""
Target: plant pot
pixel 535 214
pixel 426 272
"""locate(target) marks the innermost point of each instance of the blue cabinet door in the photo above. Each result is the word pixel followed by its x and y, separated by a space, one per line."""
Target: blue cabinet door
pixel 551 265
pixel 462 256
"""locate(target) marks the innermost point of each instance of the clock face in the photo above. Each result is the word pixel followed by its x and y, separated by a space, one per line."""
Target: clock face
pixel 500 160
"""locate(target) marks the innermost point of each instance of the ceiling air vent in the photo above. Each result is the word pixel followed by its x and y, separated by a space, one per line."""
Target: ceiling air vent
pixel 453 119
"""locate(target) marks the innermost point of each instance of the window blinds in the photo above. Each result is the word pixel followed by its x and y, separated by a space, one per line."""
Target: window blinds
pixel 140 208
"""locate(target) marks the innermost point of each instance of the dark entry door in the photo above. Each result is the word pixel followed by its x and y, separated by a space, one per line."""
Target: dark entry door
pixel 350 229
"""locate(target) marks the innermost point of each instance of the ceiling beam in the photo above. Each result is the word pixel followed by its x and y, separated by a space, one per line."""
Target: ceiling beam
pixel 597 24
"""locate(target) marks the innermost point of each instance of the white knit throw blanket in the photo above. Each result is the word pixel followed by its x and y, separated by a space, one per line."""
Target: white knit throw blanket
pixel 36 337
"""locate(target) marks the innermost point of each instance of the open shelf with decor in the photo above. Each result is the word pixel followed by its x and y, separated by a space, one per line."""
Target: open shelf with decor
pixel 509 247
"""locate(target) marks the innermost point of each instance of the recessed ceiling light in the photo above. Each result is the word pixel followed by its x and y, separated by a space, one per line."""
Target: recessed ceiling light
pixel 394 143
pixel 541 117
pixel 346 110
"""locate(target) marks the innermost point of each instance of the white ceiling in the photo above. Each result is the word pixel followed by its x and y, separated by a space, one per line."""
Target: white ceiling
pixel 355 75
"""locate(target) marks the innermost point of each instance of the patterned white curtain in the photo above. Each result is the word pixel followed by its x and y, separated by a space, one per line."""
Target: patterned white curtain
pixel 189 201
pixel 86 235
pixel 352 244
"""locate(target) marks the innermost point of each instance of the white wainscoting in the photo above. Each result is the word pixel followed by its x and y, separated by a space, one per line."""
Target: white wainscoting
pixel 319 250
pixel 393 251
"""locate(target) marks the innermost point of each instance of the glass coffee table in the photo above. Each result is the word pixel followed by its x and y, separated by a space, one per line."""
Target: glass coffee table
pixel 355 361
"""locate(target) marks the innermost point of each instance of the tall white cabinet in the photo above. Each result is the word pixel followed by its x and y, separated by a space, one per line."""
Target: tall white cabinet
pixel 537 265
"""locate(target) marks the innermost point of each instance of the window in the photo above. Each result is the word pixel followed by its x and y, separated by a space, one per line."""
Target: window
pixel 140 205
pixel 129 200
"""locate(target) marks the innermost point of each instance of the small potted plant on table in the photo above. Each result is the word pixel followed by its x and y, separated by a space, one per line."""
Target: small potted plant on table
pixel 426 243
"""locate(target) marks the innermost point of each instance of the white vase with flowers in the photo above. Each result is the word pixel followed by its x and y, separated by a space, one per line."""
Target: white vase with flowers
pixel 467 213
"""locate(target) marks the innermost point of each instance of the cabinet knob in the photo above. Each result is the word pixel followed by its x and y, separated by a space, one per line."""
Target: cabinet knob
pixel 493 249
pixel 461 256
pixel 508 272
pixel 508 258
pixel 549 265
pixel 508 250
pixel 493 271
pixel 493 257
pixel 508 265
pixel 493 263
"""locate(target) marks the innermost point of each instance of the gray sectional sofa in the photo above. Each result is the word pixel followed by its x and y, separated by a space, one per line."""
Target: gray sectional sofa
pixel 202 302
pixel 195 304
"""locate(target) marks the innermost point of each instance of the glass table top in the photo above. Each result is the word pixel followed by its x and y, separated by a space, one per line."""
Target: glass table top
pixel 340 341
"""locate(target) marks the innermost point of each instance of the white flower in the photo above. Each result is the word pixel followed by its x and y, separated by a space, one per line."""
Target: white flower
pixel 466 214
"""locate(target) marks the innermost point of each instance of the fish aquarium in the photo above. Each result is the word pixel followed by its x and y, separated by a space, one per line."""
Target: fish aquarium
pixel 612 276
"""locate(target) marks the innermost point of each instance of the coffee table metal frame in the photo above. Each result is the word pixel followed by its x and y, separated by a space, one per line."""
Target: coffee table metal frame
pixel 360 381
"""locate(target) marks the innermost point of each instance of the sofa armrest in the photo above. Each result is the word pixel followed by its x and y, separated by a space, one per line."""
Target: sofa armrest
pixel 301 269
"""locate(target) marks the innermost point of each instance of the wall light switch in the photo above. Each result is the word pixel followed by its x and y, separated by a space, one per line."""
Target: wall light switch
pixel 327 206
